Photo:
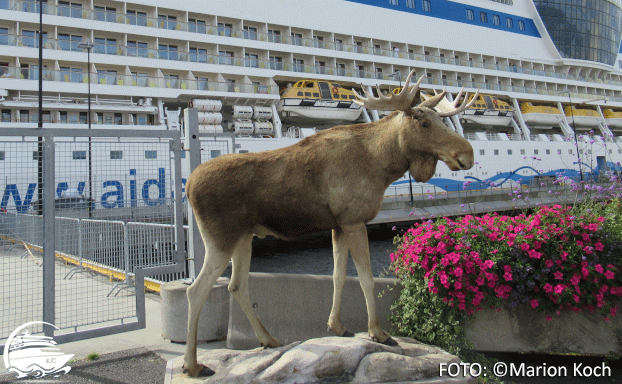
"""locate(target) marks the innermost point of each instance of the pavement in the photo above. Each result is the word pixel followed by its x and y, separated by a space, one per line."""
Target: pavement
pixel 144 357
pixel 136 357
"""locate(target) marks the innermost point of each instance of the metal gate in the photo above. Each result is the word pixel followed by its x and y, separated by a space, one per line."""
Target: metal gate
pixel 85 217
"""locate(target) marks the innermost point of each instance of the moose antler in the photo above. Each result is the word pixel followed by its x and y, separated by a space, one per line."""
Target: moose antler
pixel 446 108
pixel 403 101
pixel 400 102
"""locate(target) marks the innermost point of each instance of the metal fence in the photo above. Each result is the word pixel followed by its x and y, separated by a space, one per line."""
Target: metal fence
pixel 85 216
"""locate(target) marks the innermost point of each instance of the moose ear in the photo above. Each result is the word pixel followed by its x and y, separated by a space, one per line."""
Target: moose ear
pixel 416 113
pixel 416 99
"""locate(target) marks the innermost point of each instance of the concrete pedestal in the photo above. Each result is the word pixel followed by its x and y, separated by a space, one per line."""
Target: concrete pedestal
pixel 214 315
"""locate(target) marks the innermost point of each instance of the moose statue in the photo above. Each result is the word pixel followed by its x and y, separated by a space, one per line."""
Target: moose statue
pixel 334 180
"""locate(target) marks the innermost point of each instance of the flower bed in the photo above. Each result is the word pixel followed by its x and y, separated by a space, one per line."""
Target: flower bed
pixel 552 259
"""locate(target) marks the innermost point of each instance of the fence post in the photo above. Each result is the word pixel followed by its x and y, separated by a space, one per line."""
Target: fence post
pixel 196 249
pixel 180 254
pixel 49 246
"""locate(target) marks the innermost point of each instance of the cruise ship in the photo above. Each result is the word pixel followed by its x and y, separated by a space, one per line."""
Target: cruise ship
pixel 271 72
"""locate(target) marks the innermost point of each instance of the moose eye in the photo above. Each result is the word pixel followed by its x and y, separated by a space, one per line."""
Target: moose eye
pixel 425 125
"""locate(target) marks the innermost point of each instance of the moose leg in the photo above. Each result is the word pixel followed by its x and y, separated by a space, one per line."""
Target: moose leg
pixel 356 236
pixel 340 255
pixel 238 286
pixel 213 266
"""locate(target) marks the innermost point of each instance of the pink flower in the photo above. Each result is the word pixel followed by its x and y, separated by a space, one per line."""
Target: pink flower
pixel 534 254
pixel 549 318
pixel 524 247
pixel 599 246
pixel 534 303
pixel 598 268
pixel 559 288
pixel 609 275
pixel 548 288
pixel 507 276
pixel 558 275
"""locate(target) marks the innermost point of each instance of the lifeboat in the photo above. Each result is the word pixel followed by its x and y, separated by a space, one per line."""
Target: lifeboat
pixel 582 117
pixel 320 100
pixel 613 118
pixel 540 116
pixel 487 110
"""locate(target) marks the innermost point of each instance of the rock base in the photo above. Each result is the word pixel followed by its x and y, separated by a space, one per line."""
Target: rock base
pixel 328 359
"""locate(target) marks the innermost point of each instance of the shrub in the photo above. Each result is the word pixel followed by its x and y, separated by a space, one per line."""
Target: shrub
pixel 555 258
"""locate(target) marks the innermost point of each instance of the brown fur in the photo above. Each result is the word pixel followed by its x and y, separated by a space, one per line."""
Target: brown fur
pixel 334 179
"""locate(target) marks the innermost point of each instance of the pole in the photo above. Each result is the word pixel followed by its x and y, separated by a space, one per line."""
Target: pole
pixel 574 128
pixel 88 70
pixel 40 122
pixel 88 45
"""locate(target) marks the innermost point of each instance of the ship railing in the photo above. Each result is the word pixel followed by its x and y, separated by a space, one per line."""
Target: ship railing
pixel 77 75
pixel 109 14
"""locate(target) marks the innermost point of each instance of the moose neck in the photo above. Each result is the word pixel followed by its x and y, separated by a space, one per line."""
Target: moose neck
pixel 385 143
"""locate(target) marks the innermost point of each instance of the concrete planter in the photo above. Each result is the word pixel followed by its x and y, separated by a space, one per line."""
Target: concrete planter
pixel 527 330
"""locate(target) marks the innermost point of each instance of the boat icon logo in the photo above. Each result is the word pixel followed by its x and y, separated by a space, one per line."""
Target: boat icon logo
pixel 33 356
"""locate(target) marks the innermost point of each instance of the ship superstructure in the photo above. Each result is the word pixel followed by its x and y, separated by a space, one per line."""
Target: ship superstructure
pixel 150 59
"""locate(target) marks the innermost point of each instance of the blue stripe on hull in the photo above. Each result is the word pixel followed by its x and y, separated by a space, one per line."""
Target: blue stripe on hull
pixel 448 10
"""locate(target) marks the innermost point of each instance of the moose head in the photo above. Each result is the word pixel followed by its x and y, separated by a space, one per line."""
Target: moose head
pixel 422 135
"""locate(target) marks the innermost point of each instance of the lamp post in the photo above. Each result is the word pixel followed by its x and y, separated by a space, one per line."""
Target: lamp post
pixel 88 46
pixel 574 128
pixel 40 122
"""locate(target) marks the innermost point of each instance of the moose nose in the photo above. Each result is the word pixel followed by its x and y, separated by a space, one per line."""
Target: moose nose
pixel 465 161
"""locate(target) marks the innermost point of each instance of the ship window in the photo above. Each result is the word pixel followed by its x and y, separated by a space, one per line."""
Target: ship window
pixel 352 97
pixel 394 2
pixel 427 6
pixel 1 155
pixel 521 25
pixel 496 152
pixel 167 22
pixel 308 94
pixel 410 4
pixel 344 96
pixel 105 14
pixel 250 33
pixel 308 84
pixel 509 22
pixel 214 153
pixel 151 154
pixel 6 115
pixel 299 94
pixel 522 151
pixel 482 152
pixel 611 152
pixel 570 151
pixel 535 151
pixel 469 14
pixel 68 9
pixel 509 151
pixel 116 155
pixel 548 151
pixel 483 17
pixel 35 155
pixel 137 18
pixel 195 25
pixel 197 55
pixel 496 20
pixel 559 151
pixel 79 155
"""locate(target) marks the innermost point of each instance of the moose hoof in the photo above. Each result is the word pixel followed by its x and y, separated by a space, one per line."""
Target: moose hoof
pixel 272 344
pixel 347 333
pixel 201 371
pixel 389 341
